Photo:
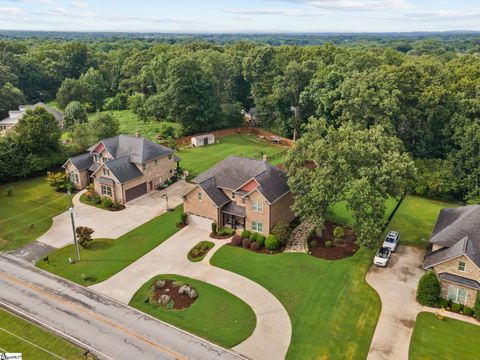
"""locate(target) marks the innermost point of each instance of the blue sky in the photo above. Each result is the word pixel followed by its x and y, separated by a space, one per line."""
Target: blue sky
pixel 241 16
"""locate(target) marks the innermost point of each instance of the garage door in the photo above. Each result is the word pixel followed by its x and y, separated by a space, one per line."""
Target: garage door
pixel 135 192
pixel 199 221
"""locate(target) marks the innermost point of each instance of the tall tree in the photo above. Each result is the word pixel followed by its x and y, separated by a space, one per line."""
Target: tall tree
pixel 10 99
pixel 74 114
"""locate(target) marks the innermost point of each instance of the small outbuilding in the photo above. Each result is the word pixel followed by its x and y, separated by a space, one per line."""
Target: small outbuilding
pixel 201 140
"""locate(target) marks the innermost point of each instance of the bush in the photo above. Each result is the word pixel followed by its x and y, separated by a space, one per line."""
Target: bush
pixel 338 232
pixel 328 243
pixel 9 191
pixel 476 307
pixel 272 242
pixel 135 102
pixel 457 307
pixel 246 234
pixel 224 231
pixel 313 243
pixel 428 291
pixel 253 237
pixel 236 240
pixel 443 303
pixel 119 102
pixel 338 241
pixel 107 202
pixel 84 235
pixel 116 206
pixel 282 231
pixel 246 243
pixel 261 240
pixel 183 219
pixel 214 228
pixel 254 246
pixel 467 310
pixel 96 199
pixel 57 180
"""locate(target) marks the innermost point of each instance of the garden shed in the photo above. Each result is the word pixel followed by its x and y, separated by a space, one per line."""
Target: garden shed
pixel 201 140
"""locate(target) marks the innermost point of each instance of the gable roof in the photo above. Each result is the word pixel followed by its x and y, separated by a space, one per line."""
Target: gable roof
pixel 14 116
pixel 234 171
pixel 218 196
pixel 460 280
pixel 82 162
pixel 138 149
pixel 123 169
pixel 202 136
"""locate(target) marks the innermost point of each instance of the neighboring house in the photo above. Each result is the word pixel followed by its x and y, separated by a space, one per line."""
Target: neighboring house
pixel 240 193
pixel 201 140
pixel 455 255
pixel 8 124
pixel 123 167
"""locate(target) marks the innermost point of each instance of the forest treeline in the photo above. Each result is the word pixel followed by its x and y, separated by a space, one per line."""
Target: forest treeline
pixel 425 92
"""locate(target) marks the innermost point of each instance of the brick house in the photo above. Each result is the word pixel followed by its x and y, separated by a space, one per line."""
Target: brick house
pixel 240 193
pixel 14 116
pixel 122 167
pixel 455 255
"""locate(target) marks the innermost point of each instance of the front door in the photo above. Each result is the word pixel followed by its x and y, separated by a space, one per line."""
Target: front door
pixel 205 141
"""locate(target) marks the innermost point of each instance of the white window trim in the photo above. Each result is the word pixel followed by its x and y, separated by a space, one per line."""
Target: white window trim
pixel 107 193
pixel 258 226
pixel 456 291
pixel 74 177
pixel 257 207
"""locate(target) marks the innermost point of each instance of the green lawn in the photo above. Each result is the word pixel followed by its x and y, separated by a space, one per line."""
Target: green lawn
pixel 20 336
pixel 197 160
pixel 28 212
pixel 447 339
pixel 415 219
pixel 332 310
pixel 105 257
pixel 341 215
pixel 216 315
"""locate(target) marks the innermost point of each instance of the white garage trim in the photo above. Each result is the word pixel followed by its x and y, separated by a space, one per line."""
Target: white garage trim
pixel 200 221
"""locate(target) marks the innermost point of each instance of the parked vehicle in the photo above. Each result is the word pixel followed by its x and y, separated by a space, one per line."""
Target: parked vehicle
pixel 382 256
pixel 391 241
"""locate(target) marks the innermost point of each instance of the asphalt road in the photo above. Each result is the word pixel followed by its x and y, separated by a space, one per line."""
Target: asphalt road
pixel 105 327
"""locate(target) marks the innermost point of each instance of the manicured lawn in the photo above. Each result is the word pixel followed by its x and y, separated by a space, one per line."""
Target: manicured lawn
pixel 28 212
pixel 216 315
pixel 415 219
pixel 447 339
pixel 131 123
pixel 341 215
pixel 332 310
pixel 197 160
pixel 20 336
pixel 105 257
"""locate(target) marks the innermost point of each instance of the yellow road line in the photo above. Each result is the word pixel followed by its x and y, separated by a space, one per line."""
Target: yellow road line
pixel 92 314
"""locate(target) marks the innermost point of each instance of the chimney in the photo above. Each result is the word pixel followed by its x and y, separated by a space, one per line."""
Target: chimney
pixel 265 157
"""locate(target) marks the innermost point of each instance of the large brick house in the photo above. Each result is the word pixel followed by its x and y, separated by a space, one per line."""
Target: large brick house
pixel 455 255
pixel 14 116
pixel 122 167
pixel 240 193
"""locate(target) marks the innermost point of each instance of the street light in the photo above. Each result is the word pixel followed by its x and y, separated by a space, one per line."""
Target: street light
pixel 73 227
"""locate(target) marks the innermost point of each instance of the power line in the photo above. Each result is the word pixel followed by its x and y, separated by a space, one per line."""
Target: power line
pixel 31 210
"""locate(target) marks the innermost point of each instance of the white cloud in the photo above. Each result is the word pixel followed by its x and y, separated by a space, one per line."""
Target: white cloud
pixel 80 4
pixel 33 1
pixel 12 11
pixel 276 11
pixel 440 15
pixel 356 5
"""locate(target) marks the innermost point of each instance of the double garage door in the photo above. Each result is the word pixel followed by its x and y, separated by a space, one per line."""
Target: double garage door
pixel 199 221
pixel 135 192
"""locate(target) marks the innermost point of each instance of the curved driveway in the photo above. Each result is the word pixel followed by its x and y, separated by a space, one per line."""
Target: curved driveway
pixel 271 337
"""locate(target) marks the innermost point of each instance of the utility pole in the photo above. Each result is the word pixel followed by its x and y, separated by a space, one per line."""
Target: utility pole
pixel 73 227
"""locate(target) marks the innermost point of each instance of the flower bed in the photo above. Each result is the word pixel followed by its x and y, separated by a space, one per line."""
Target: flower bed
pixel 199 251
pixel 105 203
pixel 330 247
pixel 171 294
pixel 257 242
pixel 223 233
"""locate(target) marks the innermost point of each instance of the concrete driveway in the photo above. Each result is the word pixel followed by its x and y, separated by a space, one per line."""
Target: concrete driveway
pixel 271 337
pixel 397 286
pixel 109 224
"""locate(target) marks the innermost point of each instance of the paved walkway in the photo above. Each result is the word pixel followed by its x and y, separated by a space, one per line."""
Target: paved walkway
pixel 109 224
pixel 107 328
pixel 271 337
pixel 298 238
pixel 397 287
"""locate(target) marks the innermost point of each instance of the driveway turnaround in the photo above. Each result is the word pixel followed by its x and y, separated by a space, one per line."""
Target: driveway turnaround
pixel 271 337
pixel 105 327
pixel 113 224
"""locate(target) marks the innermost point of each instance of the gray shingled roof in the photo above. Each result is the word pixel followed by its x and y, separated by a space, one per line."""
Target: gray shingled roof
pixel 83 161
pixel 123 169
pixel 235 171
pixel 234 209
pixel 458 231
pixel 139 149
pixel 218 196
pixel 15 115
pixel 460 280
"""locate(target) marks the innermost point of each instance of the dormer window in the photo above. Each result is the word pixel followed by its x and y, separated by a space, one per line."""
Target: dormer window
pixel 461 266
pixel 96 158
pixel 106 172
pixel 234 196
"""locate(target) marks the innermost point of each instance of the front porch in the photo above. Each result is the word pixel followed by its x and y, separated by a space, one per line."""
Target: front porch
pixel 233 216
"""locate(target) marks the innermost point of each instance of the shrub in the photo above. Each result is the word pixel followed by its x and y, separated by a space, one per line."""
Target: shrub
pixel 467 310
pixel 338 232
pixel 183 219
pixel 116 206
pixel 272 242
pixel 338 241
pixel 246 234
pixel 177 283
pixel 254 246
pixel 236 240
pixel 253 237
pixel 159 283
pixel 443 303
pixel 428 291
pixel 107 202
pixel 261 240
pixel 90 188
pixel 214 228
pixel 96 199
pixel 204 246
pixel 57 180
pixel 282 231
pixel 313 243
pixel 9 191
pixel 328 243
pixel 226 231
pixel 84 235
pixel 457 307
pixel 246 243
pixel 476 307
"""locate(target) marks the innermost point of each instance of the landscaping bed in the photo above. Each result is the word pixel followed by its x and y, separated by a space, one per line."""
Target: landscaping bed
pixel 223 233
pixel 215 315
pixel 199 251
pixel 172 294
pixel 105 203
pixel 335 250
pixel 257 242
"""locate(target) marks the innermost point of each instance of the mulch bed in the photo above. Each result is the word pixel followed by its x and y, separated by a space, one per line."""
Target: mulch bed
pixel 180 301
pixel 261 251
pixel 181 226
pixel 220 237
pixel 347 249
